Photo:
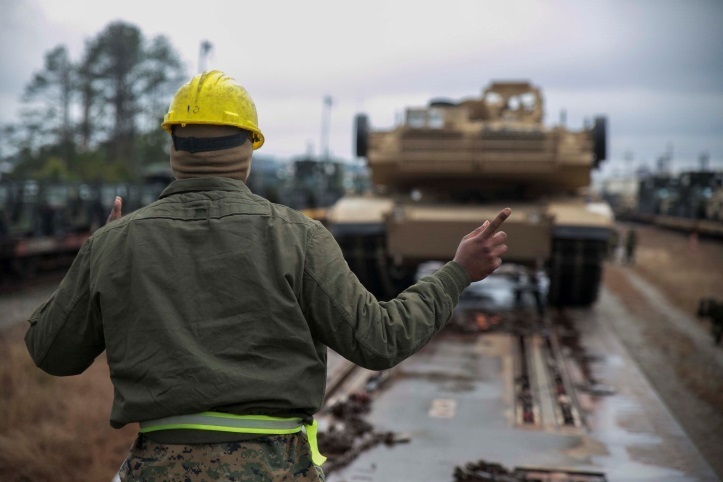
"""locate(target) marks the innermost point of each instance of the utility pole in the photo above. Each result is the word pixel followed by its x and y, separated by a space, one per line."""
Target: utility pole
pixel 325 127
pixel 629 163
pixel 703 160
pixel 206 47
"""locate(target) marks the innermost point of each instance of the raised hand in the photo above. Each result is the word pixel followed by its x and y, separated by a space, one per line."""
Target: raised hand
pixel 479 252
pixel 115 213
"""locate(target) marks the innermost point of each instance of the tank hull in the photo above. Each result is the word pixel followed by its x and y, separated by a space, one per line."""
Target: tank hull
pixel 438 229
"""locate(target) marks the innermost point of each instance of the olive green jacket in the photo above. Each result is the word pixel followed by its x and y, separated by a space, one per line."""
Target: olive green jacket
pixel 213 298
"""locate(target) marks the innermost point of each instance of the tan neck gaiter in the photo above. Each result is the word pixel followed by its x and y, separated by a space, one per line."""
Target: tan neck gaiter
pixel 234 163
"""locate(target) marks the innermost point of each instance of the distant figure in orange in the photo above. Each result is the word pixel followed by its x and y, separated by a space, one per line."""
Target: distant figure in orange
pixel 693 241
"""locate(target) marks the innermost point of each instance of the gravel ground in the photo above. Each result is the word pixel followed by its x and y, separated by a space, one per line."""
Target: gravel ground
pixel 658 295
pixel 17 306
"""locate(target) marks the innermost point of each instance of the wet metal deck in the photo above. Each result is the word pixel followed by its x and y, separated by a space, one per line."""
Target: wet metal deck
pixel 456 399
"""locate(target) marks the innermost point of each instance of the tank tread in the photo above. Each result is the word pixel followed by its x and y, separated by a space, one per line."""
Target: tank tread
pixel 575 271
pixel 367 258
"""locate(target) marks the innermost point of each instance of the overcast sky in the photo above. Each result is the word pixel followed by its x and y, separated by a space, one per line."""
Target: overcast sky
pixel 654 68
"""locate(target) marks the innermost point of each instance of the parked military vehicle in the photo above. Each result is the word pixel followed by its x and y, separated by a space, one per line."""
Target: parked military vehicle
pixel 43 224
pixel 451 165
pixel 691 201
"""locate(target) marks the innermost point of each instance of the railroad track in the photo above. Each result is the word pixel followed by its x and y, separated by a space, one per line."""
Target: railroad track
pixel 338 373
pixel 545 396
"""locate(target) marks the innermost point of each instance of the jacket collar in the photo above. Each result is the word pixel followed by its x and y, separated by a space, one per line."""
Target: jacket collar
pixel 197 184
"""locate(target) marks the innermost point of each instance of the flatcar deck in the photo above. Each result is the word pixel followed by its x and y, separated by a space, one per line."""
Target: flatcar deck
pixel 589 414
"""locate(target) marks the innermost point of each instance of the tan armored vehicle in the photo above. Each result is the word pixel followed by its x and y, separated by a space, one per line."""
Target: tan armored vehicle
pixel 451 165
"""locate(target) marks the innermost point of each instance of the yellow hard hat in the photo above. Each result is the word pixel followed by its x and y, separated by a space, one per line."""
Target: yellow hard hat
pixel 214 98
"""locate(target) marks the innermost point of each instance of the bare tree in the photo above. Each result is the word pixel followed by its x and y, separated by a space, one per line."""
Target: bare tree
pixel 130 75
pixel 48 98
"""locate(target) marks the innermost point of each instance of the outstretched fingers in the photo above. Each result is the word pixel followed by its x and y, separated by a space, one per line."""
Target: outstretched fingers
pixel 499 250
pixel 477 230
pixel 489 230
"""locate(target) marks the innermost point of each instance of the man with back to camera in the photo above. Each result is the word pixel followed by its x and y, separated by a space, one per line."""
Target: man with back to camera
pixel 215 308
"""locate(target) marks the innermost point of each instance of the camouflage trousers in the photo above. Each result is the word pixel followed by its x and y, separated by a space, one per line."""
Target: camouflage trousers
pixel 272 458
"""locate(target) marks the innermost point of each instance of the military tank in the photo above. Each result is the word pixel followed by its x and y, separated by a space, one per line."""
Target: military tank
pixel 451 165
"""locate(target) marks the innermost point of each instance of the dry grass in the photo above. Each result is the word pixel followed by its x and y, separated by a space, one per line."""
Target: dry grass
pixel 55 429
pixel 683 271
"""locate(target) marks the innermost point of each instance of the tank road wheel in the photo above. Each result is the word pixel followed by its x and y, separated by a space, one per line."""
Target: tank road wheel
pixel 361 254
pixel 367 258
pixel 575 272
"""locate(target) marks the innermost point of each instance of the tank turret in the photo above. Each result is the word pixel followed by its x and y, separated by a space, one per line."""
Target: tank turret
pixel 479 144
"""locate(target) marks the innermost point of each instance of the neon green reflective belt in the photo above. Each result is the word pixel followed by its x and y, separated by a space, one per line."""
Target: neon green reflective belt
pixel 226 422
